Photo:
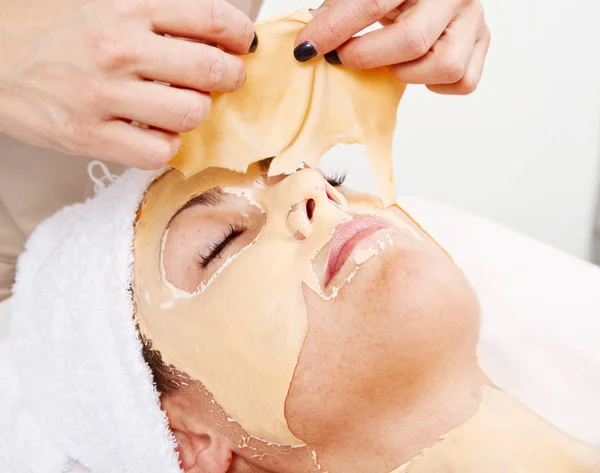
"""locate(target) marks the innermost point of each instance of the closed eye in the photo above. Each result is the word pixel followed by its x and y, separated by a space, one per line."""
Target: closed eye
pixel 215 249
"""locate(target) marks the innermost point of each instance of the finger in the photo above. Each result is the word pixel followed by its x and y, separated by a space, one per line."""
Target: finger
pixel 447 60
pixel 215 21
pixel 158 105
pixel 120 142
pixel 411 36
pixel 472 76
pixel 337 23
pixel 192 65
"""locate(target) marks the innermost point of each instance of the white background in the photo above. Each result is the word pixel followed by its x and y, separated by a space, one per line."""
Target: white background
pixel 524 149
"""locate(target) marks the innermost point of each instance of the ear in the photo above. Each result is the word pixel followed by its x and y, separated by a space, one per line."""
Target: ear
pixel 200 448
pixel 202 452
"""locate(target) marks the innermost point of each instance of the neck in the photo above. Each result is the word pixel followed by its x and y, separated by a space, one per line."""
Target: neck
pixel 505 436
pixel 484 429
pixel 414 422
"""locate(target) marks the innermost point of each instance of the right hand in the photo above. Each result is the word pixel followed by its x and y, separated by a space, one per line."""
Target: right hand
pixel 74 74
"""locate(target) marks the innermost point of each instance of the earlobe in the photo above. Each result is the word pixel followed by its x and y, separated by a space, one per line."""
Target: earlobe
pixel 202 452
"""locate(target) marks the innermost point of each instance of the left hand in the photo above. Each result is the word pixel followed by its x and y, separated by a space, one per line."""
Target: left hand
pixel 439 43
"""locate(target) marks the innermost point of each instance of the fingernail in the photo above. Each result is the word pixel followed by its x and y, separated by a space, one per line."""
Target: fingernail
pixel 305 51
pixel 254 44
pixel 333 58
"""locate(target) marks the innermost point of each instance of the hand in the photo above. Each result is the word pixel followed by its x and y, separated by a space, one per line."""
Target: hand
pixel 439 43
pixel 76 73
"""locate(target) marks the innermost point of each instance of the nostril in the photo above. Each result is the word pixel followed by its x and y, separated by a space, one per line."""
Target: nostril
pixel 310 208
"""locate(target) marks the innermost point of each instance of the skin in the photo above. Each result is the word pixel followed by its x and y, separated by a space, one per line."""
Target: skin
pixel 76 73
pixel 392 354
pixel 439 43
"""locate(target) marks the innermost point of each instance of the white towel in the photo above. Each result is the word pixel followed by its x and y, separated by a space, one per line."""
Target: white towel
pixel 86 393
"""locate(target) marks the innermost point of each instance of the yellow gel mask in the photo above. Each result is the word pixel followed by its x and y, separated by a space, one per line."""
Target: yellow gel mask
pixel 241 332
pixel 295 112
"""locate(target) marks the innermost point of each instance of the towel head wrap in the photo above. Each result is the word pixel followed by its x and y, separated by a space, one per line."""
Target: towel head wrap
pixel 75 344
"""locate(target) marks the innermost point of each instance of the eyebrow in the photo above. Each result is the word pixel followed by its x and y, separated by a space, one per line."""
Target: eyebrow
pixel 208 198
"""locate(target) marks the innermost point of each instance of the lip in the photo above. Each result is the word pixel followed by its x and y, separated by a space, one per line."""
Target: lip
pixel 347 237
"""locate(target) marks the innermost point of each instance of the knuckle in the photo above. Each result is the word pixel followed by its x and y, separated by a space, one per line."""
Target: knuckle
pixel 416 43
pixel 360 61
pixel 212 72
pixel 450 69
pixel 161 152
pixel 78 137
pixel 486 35
pixel 217 21
pixel 468 85
pixel 373 10
pixel 356 57
pixel 241 73
pixel 335 30
pixel 196 112
pixel 111 51
pixel 94 96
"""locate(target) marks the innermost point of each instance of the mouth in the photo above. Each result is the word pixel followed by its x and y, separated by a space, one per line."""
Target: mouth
pixel 347 237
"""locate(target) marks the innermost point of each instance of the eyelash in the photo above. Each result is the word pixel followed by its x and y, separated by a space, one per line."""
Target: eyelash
pixel 217 248
pixel 335 178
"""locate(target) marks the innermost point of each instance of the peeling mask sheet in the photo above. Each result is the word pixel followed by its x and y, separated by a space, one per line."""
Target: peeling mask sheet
pixel 241 333
pixel 295 112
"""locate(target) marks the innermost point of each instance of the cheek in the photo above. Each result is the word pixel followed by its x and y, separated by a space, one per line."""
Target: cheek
pixel 402 316
pixel 178 261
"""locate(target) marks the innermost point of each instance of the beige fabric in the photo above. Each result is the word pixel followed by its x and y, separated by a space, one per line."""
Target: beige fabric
pixel 35 183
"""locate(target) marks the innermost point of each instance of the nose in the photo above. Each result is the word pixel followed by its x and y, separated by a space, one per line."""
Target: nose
pixel 307 198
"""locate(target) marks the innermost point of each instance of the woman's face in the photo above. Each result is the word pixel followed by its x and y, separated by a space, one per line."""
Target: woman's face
pixel 296 304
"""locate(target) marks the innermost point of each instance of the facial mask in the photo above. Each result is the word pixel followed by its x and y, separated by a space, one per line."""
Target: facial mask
pixel 523 441
pixel 241 334
pixel 295 112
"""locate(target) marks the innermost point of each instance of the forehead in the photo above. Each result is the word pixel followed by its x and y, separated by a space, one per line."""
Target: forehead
pixel 171 191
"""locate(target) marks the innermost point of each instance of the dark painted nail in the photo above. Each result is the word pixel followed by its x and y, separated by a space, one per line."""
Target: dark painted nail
pixel 305 51
pixel 333 58
pixel 254 44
